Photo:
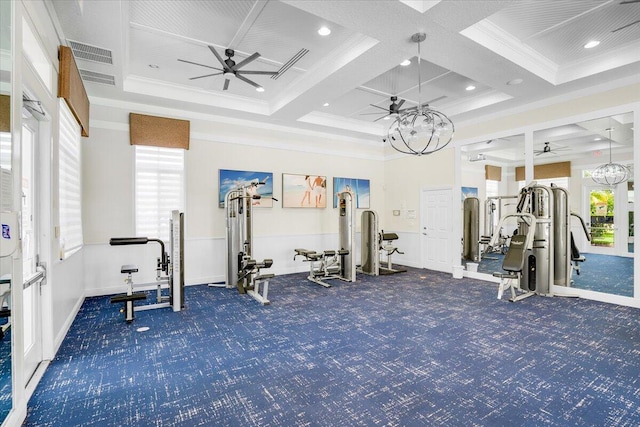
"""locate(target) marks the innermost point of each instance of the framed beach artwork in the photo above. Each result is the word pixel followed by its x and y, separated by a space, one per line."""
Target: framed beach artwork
pixel 260 183
pixel 304 191
pixel 469 192
pixel 361 189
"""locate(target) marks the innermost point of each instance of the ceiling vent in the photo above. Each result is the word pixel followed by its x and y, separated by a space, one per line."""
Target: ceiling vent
pixel 91 53
pixel 290 63
pixel 92 76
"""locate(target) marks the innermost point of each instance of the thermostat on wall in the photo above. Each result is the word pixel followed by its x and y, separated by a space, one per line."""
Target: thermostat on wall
pixel 396 212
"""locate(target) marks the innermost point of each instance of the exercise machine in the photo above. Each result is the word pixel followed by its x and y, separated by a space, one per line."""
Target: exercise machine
pixel 335 264
pixel 546 256
pixel 169 271
pixel 518 255
pixel 494 209
pixel 375 244
pixel 576 258
pixel 242 270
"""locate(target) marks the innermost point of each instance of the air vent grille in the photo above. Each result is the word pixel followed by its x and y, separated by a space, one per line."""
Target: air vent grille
pixel 90 53
pixel 92 76
pixel 290 63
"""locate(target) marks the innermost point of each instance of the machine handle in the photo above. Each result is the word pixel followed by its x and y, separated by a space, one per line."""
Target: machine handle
pixel 584 226
pixel 118 241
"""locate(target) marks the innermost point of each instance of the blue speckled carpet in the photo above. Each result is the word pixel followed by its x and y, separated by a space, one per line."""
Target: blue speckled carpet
pixel 413 349
pixel 5 373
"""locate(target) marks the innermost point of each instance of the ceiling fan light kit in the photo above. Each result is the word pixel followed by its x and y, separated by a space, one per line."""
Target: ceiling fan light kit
pixel 610 174
pixel 420 130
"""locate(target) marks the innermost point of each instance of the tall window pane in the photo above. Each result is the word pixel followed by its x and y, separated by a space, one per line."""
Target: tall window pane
pixel 159 189
pixel 70 185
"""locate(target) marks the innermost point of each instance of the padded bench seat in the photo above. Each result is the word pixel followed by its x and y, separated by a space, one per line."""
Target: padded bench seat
pixel 129 268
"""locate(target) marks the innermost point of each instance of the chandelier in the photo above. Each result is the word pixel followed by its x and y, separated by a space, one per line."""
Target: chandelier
pixel 611 173
pixel 420 130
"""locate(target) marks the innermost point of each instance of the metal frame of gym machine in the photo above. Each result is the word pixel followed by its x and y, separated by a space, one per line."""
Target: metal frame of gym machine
pixel 340 264
pixel 371 244
pixel 242 271
pixel 549 261
pixel 172 265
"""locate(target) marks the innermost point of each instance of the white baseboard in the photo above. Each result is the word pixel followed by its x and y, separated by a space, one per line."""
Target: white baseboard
pixel 67 325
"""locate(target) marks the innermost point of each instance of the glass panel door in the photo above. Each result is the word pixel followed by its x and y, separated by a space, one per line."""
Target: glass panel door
pixel 602 218
pixel 31 287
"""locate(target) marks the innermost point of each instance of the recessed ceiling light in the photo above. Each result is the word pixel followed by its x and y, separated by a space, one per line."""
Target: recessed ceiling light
pixel 592 43
pixel 405 63
pixel 154 66
pixel 324 31
pixel 597 139
pixel 260 89
pixel 470 87
pixel 514 82
pixel 326 104
pixel 385 118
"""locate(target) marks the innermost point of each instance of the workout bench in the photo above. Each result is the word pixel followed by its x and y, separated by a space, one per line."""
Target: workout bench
pixel 130 296
pixel 250 273
pixel 387 246
pixel 513 264
pixel 325 265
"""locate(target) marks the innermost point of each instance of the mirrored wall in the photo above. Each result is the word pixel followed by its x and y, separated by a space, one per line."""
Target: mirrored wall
pixel 603 214
pixel 489 175
pixel 567 156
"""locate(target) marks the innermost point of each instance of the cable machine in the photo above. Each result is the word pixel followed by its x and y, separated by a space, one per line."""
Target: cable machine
pixel 242 271
pixel 544 257
pixel 335 264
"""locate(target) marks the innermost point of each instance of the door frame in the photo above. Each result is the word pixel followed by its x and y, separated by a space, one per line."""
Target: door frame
pixel 620 219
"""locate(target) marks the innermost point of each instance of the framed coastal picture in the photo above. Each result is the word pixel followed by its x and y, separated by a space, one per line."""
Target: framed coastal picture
pixel 469 192
pixel 359 187
pixel 304 191
pixel 260 183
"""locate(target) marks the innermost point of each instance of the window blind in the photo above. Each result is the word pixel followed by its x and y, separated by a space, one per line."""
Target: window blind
pixel 159 182
pixel 69 181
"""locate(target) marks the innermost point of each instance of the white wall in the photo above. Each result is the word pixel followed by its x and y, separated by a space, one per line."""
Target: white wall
pixel 108 201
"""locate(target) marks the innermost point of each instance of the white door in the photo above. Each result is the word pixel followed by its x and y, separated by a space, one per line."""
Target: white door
pixel 32 277
pixel 437 229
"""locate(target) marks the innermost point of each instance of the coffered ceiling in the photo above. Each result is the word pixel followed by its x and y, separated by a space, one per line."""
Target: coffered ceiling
pixel 511 53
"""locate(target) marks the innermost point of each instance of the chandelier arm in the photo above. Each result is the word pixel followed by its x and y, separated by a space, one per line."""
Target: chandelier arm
pixel 420 130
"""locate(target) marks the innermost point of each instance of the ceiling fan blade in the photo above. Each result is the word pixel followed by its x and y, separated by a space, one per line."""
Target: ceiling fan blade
pixel 202 65
pixel 246 80
pixel 629 1
pixel 267 73
pixel 206 75
pixel 380 118
pixel 400 104
pixel 377 106
pixel 246 61
pixel 217 55
pixel 626 26
pixel 226 84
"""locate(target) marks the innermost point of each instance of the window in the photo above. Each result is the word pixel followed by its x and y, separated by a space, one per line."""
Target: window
pixel 69 181
pixel 159 189
pixel 492 188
